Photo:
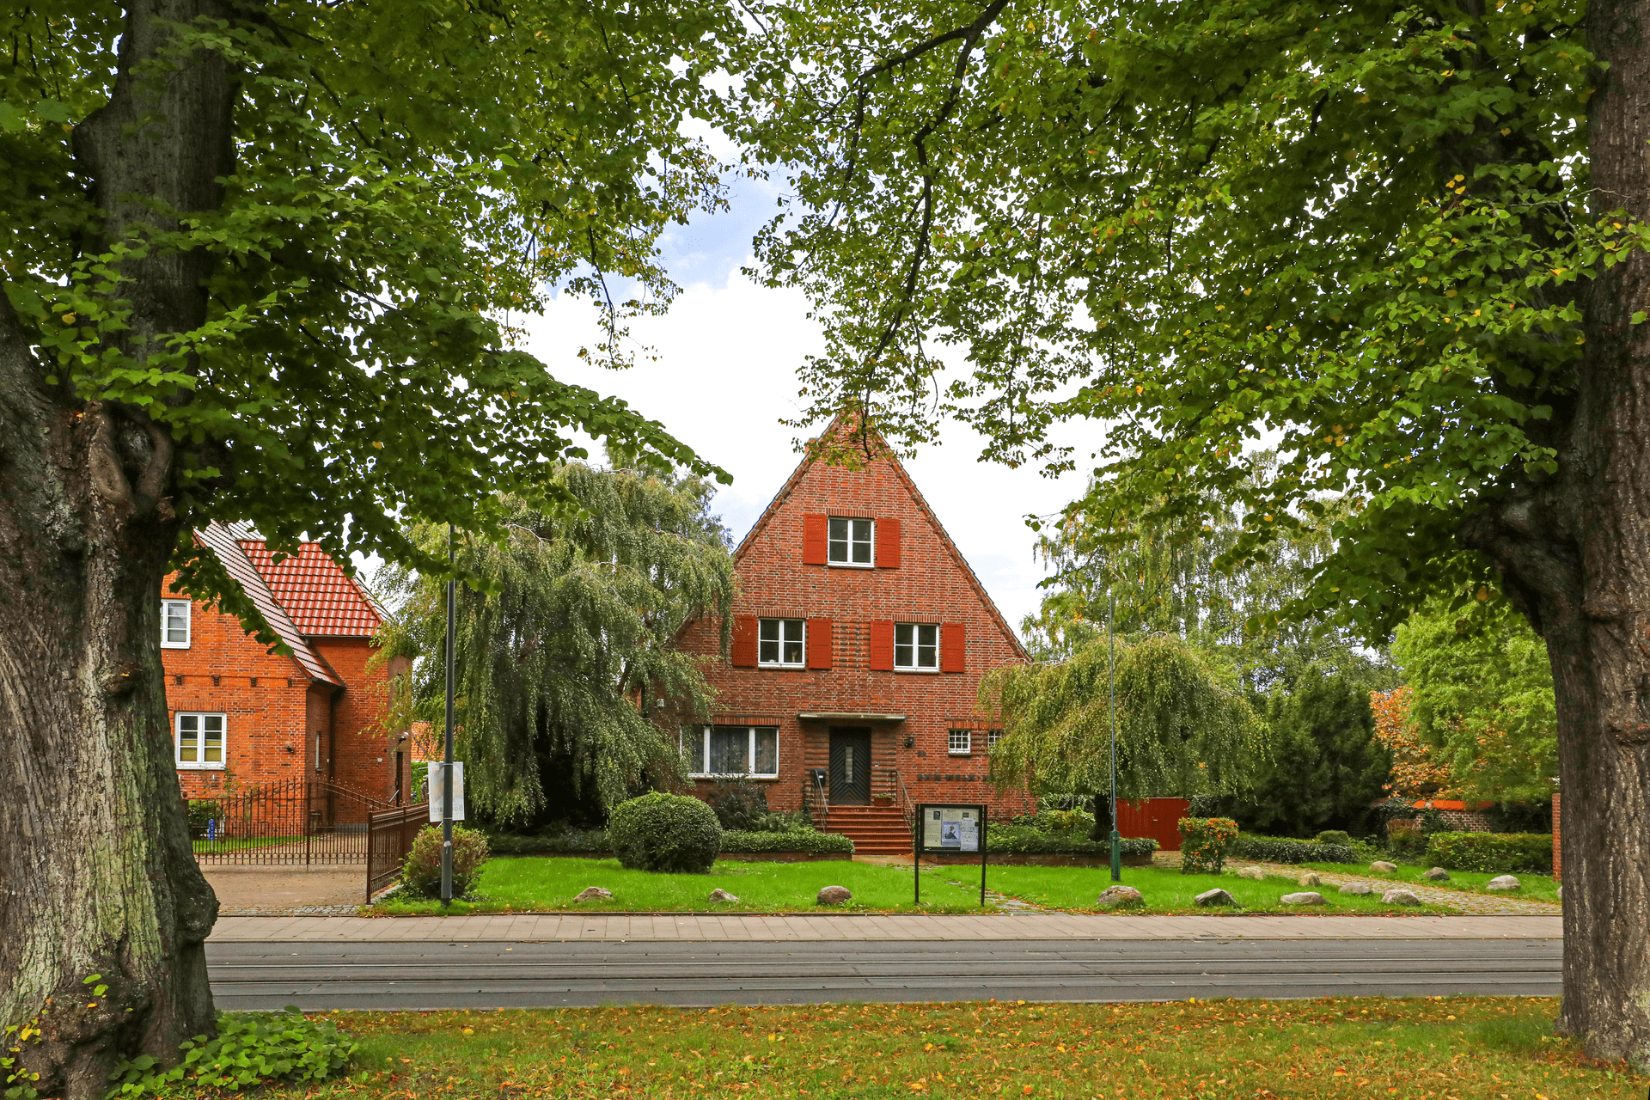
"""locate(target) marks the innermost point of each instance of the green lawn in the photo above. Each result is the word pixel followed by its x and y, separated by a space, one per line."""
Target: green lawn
pixel 1536 886
pixel 1166 890
pixel 241 844
pixel 1454 1048
pixel 540 883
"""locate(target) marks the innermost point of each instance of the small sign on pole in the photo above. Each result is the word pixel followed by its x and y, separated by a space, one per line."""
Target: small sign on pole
pixel 436 788
pixel 948 829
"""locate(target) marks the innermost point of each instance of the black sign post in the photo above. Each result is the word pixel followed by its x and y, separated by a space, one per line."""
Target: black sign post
pixel 947 829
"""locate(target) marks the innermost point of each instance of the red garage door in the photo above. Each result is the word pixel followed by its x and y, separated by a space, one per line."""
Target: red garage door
pixel 1158 818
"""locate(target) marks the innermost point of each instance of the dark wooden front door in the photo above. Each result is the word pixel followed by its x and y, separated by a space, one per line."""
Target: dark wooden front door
pixel 850 766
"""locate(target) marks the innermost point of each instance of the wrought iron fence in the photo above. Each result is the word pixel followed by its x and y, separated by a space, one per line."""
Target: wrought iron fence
pixel 294 822
pixel 389 838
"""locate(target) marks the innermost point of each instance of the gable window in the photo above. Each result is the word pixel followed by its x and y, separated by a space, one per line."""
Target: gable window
pixel 751 752
pixel 850 541
pixel 780 643
pixel 174 624
pixel 961 742
pixel 200 740
pixel 917 647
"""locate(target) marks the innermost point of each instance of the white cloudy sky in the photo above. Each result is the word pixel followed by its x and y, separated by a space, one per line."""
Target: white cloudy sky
pixel 725 374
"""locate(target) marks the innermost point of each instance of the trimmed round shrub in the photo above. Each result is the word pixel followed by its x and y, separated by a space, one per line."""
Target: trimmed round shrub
pixel 421 874
pixel 1334 836
pixel 665 832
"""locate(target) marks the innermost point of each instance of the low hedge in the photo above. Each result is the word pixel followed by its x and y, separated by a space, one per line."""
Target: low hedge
pixel 1495 853
pixel 812 843
pixel 1009 840
pixel 1269 849
pixel 573 842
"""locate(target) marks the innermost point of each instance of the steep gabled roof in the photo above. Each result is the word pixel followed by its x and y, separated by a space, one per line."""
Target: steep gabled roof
pixel 221 541
pixel 885 454
pixel 322 600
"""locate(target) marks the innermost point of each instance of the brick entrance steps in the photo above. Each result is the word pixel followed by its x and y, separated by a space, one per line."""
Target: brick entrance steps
pixel 875 830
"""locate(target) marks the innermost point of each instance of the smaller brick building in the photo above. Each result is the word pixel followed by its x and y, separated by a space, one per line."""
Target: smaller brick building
pixel 243 716
pixel 860 636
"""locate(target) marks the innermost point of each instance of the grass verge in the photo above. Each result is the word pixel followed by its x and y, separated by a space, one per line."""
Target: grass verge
pixel 1366 1048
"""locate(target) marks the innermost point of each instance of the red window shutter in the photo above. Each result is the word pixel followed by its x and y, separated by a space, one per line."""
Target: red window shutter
pixel 887 544
pixel 880 651
pixel 953 647
pixel 743 652
pixel 813 539
pixel 819 643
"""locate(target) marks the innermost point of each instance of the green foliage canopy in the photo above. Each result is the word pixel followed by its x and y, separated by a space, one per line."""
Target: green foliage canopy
pixel 402 180
pixel 1482 692
pixel 567 675
pixel 1363 229
pixel 1183 724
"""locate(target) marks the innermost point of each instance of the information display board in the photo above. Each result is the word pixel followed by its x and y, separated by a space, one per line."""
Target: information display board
pixel 437 788
pixel 948 829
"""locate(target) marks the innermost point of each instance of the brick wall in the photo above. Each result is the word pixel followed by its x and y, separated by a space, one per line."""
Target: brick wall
pixel 361 755
pixel 930 585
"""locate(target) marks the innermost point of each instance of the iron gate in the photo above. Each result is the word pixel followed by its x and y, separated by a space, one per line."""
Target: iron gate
pixel 295 822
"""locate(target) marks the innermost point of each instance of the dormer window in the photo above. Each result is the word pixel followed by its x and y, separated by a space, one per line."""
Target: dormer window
pixel 850 542
pixel 174 624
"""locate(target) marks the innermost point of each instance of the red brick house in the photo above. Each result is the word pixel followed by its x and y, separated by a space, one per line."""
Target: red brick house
pixel 860 637
pixel 245 717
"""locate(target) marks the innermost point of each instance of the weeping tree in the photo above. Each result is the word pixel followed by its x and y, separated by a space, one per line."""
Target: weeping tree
pixel 568 680
pixel 1184 726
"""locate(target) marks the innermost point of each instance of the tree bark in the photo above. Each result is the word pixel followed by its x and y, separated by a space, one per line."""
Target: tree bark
pixel 1574 551
pixel 96 871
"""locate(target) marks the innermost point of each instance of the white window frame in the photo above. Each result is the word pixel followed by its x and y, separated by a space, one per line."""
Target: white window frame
pixel 702 735
pixel 916 647
pixel 166 609
pixel 802 628
pixel 959 742
pixel 199 763
pixel 991 739
pixel 850 563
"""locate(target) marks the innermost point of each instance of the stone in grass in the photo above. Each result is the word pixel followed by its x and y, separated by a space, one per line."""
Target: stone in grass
pixel 1437 874
pixel 594 893
pixel 1382 867
pixel 1216 896
pixel 1309 878
pixel 720 894
pixel 834 895
pixel 1119 897
pixel 1359 888
pixel 1251 872
pixel 1503 884
pixel 1399 896
pixel 1305 897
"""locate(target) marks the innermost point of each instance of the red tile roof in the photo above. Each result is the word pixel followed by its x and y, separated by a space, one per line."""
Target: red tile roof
pixel 223 542
pixel 320 597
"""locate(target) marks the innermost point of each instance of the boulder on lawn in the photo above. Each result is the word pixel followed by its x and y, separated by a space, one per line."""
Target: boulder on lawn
pixel 1359 888
pixel 1216 896
pixel 834 895
pixel 1382 867
pixel 1305 897
pixel 1251 872
pixel 1309 878
pixel 1501 884
pixel 1399 896
pixel 594 893
pixel 1437 874
pixel 1119 897
pixel 720 894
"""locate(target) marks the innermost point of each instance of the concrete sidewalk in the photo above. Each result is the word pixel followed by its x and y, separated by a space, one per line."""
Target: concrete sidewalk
pixel 637 928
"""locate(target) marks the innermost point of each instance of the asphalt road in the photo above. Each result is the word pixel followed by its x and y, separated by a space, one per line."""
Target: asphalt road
pixel 317 976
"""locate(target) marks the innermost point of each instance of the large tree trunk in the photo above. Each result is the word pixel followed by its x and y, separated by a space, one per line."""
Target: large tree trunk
pixel 96 872
pixel 1575 553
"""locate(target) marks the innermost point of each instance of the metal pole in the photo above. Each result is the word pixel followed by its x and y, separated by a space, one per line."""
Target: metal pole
pixel 447 755
pixel 916 859
pixel 982 856
pixel 1111 672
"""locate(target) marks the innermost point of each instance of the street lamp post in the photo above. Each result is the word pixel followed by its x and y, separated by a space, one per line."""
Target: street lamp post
pixel 1111 673
pixel 447 754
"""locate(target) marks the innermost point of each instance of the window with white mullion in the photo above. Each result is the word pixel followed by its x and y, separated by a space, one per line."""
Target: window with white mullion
pixel 174 624
pixel 917 647
pixel 780 642
pixel 961 742
pixel 750 752
pixel 850 541
pixel 199 740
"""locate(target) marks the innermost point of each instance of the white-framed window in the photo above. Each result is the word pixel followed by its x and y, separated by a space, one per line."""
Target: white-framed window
pixel 779 643
pixel 751 752
pixel 851 542
pixel 174 624
pixel 200 740
pixel 961 742
pixel 991 739
pixel 917 647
